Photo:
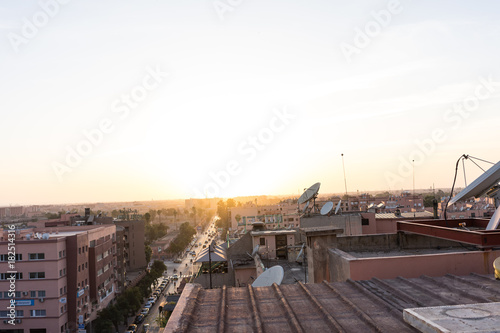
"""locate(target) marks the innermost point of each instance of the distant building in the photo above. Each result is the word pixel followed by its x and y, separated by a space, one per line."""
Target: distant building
pixel 282 215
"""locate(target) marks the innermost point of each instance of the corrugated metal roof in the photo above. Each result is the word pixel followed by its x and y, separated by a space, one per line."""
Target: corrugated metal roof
pixel 354 306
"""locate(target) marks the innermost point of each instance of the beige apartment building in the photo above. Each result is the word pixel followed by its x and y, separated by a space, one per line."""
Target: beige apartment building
pixel 63 276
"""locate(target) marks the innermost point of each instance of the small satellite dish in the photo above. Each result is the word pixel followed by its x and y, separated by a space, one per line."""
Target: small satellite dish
pixel 309 194
pixel 28 236
pixel 45 236
pixel 305 207
pixel 269 277
pixel 486 184
pixel 255 250
pixel 301 253
pixel 338 207
pixel 327 208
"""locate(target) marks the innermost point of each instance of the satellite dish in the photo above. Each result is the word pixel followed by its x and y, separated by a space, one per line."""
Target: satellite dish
pixel 28 236
pixel 487 181
pixel 305 207
pixel 327 208
pixel 309 194
pixel 269 277
pixel 486 184
pixel 45 236
pixel 301 253
pixel 255 250
pixel 338 207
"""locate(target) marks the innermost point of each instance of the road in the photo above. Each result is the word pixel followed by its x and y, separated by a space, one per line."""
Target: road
pixel 184 268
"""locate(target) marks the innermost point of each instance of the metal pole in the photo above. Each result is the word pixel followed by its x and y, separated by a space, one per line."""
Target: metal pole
pixel 210 264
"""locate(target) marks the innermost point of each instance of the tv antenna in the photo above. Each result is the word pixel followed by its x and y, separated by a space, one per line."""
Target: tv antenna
pixel 486 184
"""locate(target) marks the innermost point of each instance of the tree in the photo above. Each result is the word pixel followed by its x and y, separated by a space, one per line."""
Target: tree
pixel 159 214
pixel 149 252
pixel 152 213
pixel 147 217
pixel 112 314
pixel 237 218
pixel 115 213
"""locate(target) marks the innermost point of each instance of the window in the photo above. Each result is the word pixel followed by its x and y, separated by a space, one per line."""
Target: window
pixel 65 289
pixel 5 257
pixel 37 275
pixel 5 276
pixel 365 221
pixel 60 291
pixel 33 293
pixel 60 254
pixel 37 256
pixel 64 253
pixel 41 293
pixel 5 294
pixel 79 250
pixel 38 313
pixel 19 314
pixel 262 241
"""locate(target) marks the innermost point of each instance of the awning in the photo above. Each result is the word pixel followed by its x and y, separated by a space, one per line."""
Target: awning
pixel 217 254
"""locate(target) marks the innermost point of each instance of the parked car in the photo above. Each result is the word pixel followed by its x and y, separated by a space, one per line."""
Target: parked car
pixel 148 305
pixel 132 328
pixel 139 319
pixel 152 300
pixel 175 277
pixel 144 311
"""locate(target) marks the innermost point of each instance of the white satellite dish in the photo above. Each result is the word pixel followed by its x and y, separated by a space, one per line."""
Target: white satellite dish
pixel 255 250
pixel 338 207
pixel 269 277
pixel 486 184
pixel 481 185
pixel 305 207
pixel 327 208
pixel 301 253
pixel 309 194
pixel 45 236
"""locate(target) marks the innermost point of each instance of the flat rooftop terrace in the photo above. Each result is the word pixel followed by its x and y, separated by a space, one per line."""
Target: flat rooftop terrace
pixel 405 252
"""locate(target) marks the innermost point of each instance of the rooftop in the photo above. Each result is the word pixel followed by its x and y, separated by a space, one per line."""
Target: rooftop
pixel 353 306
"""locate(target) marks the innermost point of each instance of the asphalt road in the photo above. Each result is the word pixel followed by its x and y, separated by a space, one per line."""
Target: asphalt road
pixel 182 269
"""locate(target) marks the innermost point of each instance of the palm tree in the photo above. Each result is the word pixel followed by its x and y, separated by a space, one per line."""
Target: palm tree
pixel 159 214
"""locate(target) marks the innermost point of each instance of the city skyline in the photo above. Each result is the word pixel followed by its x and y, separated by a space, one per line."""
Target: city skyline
pixel 177 100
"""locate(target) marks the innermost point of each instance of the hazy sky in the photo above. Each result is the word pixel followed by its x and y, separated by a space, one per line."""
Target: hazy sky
pixel 139 100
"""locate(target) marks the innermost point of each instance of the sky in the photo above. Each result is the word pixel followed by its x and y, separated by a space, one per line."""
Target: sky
pixel 153 100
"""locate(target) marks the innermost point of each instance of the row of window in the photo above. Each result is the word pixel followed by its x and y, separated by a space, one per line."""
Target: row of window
pixel 19 276
pixel 20 313
pixel 31 256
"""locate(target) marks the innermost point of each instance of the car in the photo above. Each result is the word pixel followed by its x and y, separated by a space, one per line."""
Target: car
pixel 175 277
pixel 148 305
pixel 139 319
pixel 151 300
pixel 177 261
pixel 144 311
pixel 204 245
pixel 132 328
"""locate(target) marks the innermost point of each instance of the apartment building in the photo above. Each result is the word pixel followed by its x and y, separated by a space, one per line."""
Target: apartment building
pixel 63 276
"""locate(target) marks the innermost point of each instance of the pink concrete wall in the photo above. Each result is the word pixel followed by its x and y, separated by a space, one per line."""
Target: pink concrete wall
pixel 243 276
pixel 462 263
